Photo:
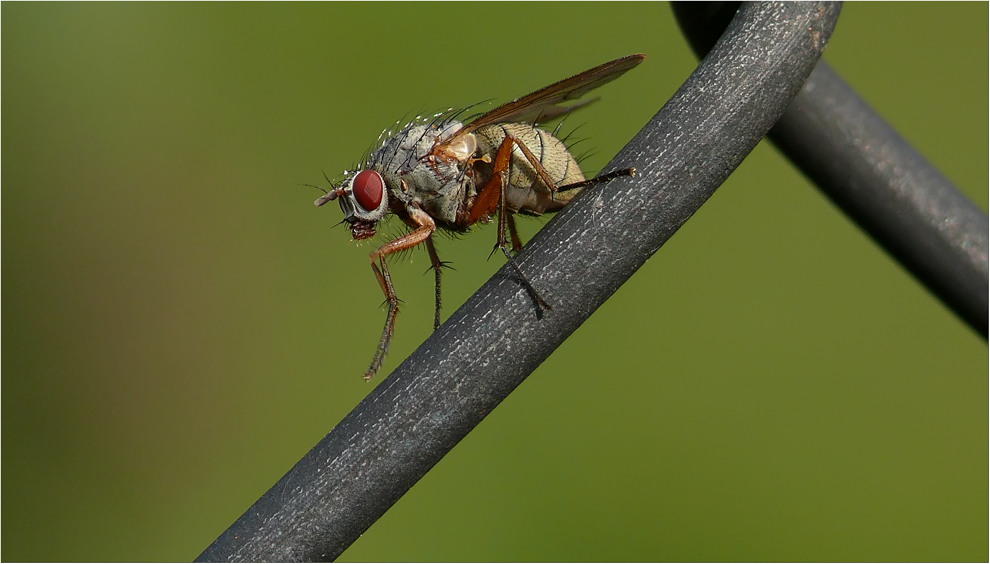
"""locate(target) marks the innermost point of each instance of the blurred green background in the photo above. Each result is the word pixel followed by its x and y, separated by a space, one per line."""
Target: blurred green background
pixel 182 324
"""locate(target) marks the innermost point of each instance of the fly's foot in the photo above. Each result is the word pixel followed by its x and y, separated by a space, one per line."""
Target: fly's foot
pixel 529 287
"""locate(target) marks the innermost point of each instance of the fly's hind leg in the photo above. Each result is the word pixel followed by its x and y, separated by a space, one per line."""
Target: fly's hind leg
pixel 492 198
pixel 503 219
pixel 516 243
pixel 600 178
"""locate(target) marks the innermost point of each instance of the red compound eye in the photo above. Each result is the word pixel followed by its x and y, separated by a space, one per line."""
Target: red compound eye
pixel 368 188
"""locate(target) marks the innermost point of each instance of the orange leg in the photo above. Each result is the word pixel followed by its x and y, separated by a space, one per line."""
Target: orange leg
pixel 486 202
pixel 488 198
pixel 425 228
pixel 492 197
pixel 516 243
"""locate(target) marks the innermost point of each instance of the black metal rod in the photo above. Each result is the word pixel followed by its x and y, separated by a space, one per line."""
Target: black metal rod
pixel 498 337
pixel 877 179
pixel 891 191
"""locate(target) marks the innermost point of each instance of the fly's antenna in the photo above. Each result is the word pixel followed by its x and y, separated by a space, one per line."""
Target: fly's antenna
pixel 320 188
pixel 328 195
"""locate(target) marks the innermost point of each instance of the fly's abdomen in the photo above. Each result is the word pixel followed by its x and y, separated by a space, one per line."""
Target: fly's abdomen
pixel 527 193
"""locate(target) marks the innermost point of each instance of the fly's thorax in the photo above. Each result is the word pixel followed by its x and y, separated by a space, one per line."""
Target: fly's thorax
pixel 527 192
pixel 415 177
pixel 410 148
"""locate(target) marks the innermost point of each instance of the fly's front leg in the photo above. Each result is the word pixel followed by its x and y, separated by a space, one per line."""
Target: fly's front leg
pixel 425 228
pixel 492 197
pixel 385 281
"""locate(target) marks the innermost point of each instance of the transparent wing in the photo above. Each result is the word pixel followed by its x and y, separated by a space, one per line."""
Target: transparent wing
pixel 545 104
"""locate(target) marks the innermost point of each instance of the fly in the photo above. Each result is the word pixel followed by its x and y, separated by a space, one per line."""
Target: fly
pixel 450 175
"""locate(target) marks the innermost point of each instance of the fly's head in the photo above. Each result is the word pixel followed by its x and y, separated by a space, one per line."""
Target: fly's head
pixel 409 163
pixel 364 200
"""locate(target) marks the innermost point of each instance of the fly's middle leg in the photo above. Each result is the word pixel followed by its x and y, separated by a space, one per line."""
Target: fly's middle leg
pixel 436 264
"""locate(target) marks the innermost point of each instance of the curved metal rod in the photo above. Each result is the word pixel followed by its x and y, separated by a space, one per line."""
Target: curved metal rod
pixel 498 337
pixel 876 178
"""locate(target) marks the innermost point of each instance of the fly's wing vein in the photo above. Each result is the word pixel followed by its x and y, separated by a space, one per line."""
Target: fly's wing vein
pixel 544 104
